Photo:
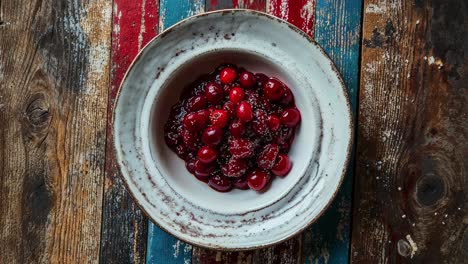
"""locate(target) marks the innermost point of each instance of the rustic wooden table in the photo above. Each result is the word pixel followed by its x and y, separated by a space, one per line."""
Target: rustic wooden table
pixel 405 64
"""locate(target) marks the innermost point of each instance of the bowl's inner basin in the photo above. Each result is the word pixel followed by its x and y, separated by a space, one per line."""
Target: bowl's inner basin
pixel 173 168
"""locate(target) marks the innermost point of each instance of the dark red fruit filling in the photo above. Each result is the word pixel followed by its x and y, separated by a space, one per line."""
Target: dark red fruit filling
pixel 234 129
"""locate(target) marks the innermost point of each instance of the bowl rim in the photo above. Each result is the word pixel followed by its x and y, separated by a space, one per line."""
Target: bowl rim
pixel 351 125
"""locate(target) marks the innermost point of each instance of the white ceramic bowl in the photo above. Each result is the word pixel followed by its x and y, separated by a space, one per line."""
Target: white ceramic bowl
pixel 158 179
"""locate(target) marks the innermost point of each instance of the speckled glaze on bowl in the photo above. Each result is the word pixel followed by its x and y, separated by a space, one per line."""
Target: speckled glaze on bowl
pixel 157 178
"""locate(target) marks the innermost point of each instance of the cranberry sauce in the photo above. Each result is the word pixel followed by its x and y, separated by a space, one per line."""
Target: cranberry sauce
pixel 234 128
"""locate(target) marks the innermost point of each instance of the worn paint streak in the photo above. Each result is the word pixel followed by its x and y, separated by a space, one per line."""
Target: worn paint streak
pixel 299 13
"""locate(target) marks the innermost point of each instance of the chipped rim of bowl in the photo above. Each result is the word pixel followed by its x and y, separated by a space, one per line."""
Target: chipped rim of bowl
pixel 349 147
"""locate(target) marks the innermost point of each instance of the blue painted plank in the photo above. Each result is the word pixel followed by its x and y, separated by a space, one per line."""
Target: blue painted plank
pixel 162 247
pixel 337 30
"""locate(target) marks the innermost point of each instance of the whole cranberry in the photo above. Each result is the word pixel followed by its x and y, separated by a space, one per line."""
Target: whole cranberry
pixel 237 128
pixel 258 179
pixel 190 165
pixel 236 95
pixel 219 118
pixel 247 79
pixel 234 168
pixel 241 148
pixel 244 111
pixel 227 75
pixel 194 121
pixel 283 165
pixel 291 117
pixel 212 136
pixel 274 123
pixel 220 183
pixel 203 170
pixel 288 97
pixel 207 154
pixel 260 79
pixel 214 93
pixel 273 89
pixel 267 158
pixel 230 108
pixel 196 103
pixel 240 183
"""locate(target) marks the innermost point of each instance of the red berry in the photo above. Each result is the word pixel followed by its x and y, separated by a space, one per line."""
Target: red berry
pixel 207 154
pixel 227 75
pixel 274 122
pixel 194 121
pixel 260 79
pixel 196 103
pixel 237 128
pixel 241 148
pixel 214 93
pixel 291 117
pixel 244 111
pixel 273 89
pixel 288 97
pixel 220 183
pixel 219 118
pixel 212 136
pixel 240 183
pixel 234 168
pixel 181 151
pixel 260 123
pixel 258 179
pixel 230 108
pixel 282 166
pixel 203 170
pixel 190 165
pixel 247 79
pixel 236 95
pixel 267 158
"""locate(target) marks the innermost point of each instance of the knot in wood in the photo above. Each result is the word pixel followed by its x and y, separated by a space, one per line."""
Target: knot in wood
pixel 429 189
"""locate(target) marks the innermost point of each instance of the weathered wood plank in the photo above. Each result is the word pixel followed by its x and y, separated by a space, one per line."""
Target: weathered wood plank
pixel 298 12
pixel 54 74
pixel 163 247
pixel 124 232
pixel 337 31
pixel 411 182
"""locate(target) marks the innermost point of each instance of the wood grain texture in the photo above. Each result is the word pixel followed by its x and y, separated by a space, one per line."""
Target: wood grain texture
pixel 54 75
pixel 163 247
pixel 124 233
pixel 298 12
pixel 337 31
pixel 411 185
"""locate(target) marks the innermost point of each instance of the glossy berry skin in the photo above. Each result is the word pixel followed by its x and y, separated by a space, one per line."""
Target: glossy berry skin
pixel 260 79
pixel 220 183
pixel 287 98
pixel 202 170
pixel 230 108
pixel 219 118
pixel 227 75
pixel 236 95
pixel 267 158
pixel 273 89
pixel 244 111
pixel 247 79
pixel 274 123
pixel 291 117
pixel 214 93
pixel 190 165
pixel 194 121
pixel 237 128
pixel 207 154
pixel 258 179
pixel 240 183
pixel 212 136
pixel 283 165
pixel 196 103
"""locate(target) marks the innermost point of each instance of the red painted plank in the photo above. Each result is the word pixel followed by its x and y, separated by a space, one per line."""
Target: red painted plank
pixel 124 226
pixel 298 12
